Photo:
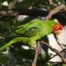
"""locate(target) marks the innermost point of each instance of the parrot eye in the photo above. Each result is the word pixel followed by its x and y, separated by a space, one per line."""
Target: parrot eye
pixel 56 26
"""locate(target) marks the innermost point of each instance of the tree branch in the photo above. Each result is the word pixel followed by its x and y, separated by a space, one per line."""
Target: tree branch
pixel 36 53
pixel 60 52
pixel 55 10
pixel 8 13
pixel 30 12
pixel 53 49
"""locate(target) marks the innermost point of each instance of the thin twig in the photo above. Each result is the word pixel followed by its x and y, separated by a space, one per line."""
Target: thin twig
pixel 53 49
pixel 36 54
pixel 55 10
pixel 8 13
pixel 60 52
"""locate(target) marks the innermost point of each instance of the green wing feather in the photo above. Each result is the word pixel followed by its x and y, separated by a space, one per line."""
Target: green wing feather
pixel 26 27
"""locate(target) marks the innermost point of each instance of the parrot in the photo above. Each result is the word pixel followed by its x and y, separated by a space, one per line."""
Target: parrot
pixel 33 31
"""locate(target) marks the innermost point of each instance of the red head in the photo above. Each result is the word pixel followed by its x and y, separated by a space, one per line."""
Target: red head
pixel 57 26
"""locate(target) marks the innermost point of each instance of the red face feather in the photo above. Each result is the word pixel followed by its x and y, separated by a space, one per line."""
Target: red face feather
pixel 57 26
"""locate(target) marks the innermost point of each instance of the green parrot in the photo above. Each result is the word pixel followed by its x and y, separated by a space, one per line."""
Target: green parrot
pixel 30 32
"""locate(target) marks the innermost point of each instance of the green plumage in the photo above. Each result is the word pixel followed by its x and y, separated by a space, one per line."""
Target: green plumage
pixel 30 32
pixel 35 27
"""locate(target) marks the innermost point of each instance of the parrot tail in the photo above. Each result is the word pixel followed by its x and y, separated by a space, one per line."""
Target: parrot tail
pixel 15 40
